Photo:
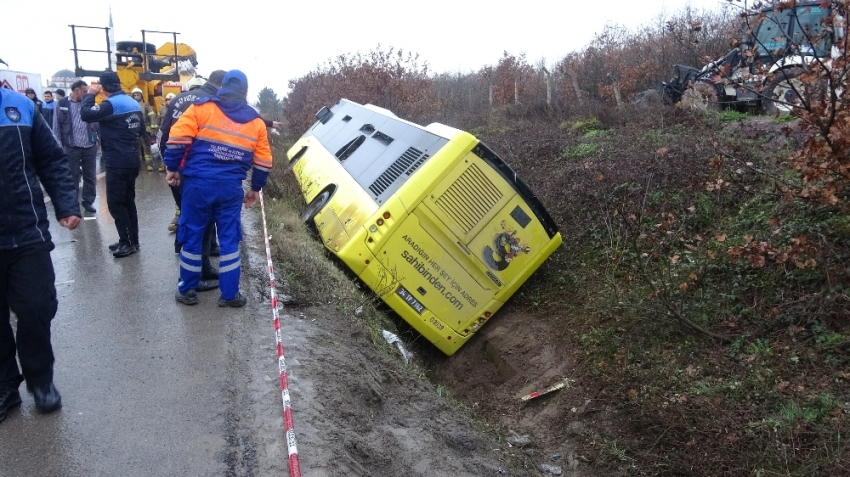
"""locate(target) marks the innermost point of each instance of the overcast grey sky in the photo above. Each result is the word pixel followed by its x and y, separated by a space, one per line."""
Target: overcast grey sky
pixel 273 42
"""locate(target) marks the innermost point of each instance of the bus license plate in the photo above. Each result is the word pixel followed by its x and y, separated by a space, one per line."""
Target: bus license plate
pixel 409 299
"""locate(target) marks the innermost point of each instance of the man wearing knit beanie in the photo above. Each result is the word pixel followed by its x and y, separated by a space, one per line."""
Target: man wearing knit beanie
pixel 209 150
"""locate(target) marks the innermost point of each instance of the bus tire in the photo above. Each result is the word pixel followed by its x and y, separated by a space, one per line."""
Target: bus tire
pixel 315 206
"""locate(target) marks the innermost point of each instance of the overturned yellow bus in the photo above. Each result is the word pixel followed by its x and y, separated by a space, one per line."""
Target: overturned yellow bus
pixel 429 218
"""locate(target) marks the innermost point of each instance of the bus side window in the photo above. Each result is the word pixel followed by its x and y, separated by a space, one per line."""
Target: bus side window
pixel 347 150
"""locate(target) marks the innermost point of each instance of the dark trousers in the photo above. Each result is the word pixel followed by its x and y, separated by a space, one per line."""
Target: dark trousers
pixel 121 200
pixel 27 289
pixel 84 159
pixel 177 193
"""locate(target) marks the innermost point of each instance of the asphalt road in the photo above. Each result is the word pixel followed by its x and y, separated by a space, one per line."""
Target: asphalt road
pixel 149 386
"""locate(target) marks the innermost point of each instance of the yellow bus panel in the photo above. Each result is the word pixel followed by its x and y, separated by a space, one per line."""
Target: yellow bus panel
pixel 430 218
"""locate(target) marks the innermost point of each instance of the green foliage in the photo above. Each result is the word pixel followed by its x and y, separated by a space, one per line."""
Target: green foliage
pixel 729 115
pixel 582 150
pixel 269 104
pixel 592 124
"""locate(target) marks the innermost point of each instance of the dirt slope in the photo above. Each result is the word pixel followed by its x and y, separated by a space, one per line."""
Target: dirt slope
pixel 359 411
pixel 515 355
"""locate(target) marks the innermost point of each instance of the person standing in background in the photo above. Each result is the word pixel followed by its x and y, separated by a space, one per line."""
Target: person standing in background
pixel 121 126
pixel 30 93
pixel 79 139
pixel 47 107
pixel 150 119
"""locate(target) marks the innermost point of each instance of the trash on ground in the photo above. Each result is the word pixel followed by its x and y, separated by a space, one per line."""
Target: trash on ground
pixel 392 338
pixel 519 440
pixel 565 383
pixel 552 469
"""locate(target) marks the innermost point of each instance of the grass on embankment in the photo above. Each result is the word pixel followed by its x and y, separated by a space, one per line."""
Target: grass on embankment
pixel 710 305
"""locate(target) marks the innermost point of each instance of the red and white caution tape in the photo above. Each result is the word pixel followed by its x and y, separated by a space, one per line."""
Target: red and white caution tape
pixel 292 447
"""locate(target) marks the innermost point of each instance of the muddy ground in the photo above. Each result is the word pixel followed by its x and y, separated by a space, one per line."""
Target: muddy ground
pixel 515 355
pixel 360 411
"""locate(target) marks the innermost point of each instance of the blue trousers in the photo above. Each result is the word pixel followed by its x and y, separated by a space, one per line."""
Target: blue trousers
pixel 205 200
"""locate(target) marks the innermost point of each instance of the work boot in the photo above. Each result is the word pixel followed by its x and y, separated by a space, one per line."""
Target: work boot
pixel 206 285
pixel 124 250
pixel 113 247
pixel 188 298
pixel 9 398
pixel 161 169
pixel 209 273
pixel 237 302
pixel 150 167
pixel 172 226
pixel 47 398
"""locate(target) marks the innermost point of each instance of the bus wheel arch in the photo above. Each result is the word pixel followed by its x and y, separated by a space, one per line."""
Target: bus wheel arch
pixel 317 204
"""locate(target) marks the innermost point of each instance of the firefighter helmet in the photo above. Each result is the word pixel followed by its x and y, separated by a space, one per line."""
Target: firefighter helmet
pixel 193 83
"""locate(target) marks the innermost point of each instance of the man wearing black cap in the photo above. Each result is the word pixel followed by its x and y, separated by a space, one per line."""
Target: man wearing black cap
pixel 121 125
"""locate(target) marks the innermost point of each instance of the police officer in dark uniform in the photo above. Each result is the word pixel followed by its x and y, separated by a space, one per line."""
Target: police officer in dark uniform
pixel 30 158
pixel 121 125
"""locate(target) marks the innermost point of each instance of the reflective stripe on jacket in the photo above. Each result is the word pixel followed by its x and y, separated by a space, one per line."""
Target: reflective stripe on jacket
pixel 121 125
pixel 218 147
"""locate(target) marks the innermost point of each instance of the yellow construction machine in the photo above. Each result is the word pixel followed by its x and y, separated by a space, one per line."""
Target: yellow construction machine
pixel 139 64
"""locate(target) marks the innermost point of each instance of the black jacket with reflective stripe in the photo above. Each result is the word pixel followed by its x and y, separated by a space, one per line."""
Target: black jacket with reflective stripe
pixel 29 159
pixel 121 126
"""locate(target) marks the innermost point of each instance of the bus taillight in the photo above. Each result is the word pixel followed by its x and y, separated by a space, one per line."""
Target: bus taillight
pixel 380 222
pixel 387 214
pixel 487 314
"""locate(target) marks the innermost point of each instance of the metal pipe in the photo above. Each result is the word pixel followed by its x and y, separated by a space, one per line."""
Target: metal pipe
pixel 108 51
pixel 144 53
pixel 76 57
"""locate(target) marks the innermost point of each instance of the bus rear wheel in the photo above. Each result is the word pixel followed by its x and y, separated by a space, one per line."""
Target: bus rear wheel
pixel 315 206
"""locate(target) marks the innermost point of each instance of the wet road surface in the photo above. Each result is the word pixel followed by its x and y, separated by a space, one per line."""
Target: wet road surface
pixel 154 388
pixel 149 386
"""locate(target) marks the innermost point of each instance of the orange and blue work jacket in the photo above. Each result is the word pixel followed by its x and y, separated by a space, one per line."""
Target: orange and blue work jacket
pixel 216 139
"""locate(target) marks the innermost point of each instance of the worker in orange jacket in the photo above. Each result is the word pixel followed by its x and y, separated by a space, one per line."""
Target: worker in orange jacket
pixel 210 150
